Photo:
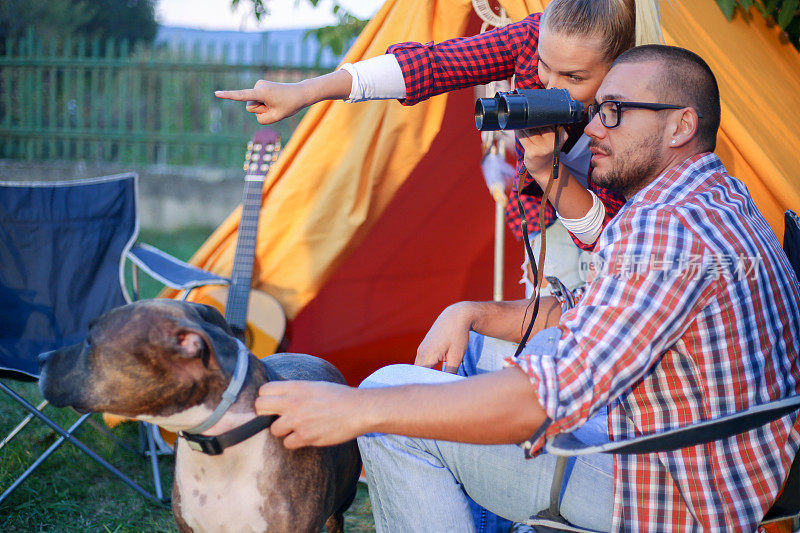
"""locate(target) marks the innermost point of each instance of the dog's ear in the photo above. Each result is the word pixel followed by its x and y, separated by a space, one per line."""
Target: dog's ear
pixel 193 344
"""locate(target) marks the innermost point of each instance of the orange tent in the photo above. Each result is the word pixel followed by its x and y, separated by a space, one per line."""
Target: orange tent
pixel 375 218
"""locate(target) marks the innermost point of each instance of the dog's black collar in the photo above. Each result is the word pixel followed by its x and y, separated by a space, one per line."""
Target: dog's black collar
pixel 215 445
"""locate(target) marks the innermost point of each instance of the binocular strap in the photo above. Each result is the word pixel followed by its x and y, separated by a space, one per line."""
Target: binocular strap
pixel 537 267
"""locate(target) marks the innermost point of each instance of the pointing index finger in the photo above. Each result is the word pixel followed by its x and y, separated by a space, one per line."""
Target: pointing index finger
pixel 242 95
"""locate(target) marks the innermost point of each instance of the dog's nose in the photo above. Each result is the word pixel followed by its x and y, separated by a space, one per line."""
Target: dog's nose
pixel 42 357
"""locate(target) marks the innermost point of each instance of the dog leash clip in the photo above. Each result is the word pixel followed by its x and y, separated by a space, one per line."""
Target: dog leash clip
pixel 203 443
pixel 216 444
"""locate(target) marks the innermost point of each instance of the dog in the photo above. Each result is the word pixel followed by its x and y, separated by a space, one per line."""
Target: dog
pixel 173 364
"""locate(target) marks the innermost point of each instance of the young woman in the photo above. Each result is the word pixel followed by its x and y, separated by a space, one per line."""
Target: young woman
pixel 570 46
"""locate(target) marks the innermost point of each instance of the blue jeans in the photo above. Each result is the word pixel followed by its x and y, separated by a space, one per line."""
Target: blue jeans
pixel 425 485
pixel 485 354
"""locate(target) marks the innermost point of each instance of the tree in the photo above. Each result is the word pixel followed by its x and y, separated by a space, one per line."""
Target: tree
pixel 335 37
pixel 785 12
pixel 134 20
pixel 50 18
pixel 121 19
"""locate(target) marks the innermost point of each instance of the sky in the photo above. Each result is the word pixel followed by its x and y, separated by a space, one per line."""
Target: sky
pixel 284 14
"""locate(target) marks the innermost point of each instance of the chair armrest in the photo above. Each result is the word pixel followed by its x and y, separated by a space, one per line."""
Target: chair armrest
pixel 791 240
pixel 171 271
pixel 702 432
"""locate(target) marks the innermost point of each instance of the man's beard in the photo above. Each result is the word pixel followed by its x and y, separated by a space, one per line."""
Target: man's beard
pixel 632 169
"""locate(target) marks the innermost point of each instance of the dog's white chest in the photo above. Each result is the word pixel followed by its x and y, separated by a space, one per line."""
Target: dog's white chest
pixel 221 494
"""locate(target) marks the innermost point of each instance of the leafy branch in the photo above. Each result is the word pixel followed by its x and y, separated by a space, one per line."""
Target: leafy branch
pixel 335 37
pixel 786 13
pixel 340 35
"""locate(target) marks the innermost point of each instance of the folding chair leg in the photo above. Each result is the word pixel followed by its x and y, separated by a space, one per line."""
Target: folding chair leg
pixel 39 460
pixel 104 430
pixel 78 444
pixel 550 519
pixel 555 488
pixel 151 444
pixel 22 425
pixel 151 447
pixel 161 445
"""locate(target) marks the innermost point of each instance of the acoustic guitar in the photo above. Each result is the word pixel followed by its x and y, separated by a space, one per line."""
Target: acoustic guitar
pixel 253 313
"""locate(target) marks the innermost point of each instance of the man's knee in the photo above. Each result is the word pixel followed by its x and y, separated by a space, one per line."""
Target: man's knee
pixel 405 375
pixel 385 376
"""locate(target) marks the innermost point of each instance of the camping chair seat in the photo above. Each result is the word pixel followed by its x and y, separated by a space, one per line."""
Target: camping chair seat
pixel 170 271
pixel 786 506
pixel 63 247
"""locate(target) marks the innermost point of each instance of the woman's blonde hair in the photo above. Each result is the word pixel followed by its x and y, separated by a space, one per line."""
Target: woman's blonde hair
pixel 621 24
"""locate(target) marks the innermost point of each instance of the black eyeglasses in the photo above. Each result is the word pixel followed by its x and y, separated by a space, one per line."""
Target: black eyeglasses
pixel 611 110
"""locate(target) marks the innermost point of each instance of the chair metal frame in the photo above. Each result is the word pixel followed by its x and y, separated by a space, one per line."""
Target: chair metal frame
pixel 164 268
pixel 785 507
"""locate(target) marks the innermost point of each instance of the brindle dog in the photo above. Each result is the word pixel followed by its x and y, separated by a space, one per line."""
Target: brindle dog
pixel 168 362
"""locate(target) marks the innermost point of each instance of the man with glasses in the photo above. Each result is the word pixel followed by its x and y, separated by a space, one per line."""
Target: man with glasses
pixel 691 315
pixel 611 110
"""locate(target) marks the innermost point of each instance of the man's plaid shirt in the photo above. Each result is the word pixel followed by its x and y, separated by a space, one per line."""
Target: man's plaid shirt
pixel 693 315
pixel 431 69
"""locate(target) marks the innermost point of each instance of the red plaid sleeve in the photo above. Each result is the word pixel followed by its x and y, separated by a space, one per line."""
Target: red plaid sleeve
pixel 531 205
pixel 430 69
pixel 531 200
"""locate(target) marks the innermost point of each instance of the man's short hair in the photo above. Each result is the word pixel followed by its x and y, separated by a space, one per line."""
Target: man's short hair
pixel 684 79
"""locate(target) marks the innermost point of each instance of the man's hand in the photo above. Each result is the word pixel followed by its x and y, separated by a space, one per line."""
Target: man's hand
pixel 447 339
pixel 270 101
pixel 538 144
pixel 311 413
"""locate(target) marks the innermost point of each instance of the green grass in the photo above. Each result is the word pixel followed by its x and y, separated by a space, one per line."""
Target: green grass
pixel 70 492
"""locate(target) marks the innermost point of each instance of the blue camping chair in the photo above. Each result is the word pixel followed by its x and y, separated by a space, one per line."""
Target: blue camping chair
pixel 63 247
pixel 785 507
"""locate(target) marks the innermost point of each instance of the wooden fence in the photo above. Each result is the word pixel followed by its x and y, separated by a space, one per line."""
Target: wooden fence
pixel 107 101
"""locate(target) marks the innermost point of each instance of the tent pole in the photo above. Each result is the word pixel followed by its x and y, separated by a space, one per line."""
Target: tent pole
pixel 499 249
pixel 493 143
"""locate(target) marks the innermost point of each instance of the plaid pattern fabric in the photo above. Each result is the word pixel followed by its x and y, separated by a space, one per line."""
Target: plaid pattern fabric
pixel 693 315
pixel 431 69
pixel 612 203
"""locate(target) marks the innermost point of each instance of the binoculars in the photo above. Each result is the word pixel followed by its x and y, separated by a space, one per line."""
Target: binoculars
pixel 527 108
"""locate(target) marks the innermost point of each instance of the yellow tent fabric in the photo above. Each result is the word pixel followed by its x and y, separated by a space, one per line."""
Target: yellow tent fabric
pixel 759 81
pixel 340 169
pixel 345 162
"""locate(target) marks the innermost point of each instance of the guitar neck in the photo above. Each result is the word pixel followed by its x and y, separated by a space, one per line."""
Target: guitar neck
pixel 262 151
pixel 242 272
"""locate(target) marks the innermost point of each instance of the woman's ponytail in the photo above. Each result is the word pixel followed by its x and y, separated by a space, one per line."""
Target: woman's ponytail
pixel 648 23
